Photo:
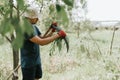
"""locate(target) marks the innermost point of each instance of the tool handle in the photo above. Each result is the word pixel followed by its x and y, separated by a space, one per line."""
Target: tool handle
pixel 47 32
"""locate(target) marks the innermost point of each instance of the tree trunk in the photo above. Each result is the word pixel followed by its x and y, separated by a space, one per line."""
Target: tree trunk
pixel 15 63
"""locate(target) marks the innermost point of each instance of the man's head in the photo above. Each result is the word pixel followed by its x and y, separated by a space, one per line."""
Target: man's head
pixel 32 14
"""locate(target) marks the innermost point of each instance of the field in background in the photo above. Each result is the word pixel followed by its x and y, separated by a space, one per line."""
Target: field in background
pixel 88 58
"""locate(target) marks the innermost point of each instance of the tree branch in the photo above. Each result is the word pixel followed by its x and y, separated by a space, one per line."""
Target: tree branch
pixel 15 7
pixel 11 8
pixel 8 39
pixel 13 72
pixel 1 12
pixel 23 11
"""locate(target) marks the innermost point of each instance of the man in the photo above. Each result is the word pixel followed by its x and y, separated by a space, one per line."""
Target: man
pixel 30 53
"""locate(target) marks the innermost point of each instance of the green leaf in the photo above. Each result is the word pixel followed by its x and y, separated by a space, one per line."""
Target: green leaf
pixel 58 7
pixel 18 41
pixel 15 21
pixel 69 2
pixel 62 15
pixel 59 43
pixel 26 27
pixel 1 10
pixel 51 8
pixel 5 26
pixel 23 27
pixel 20 3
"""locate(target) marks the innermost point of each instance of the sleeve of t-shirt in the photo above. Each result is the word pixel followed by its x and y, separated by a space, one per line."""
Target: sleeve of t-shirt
pixel 33 33
pixel 28 36
pixel 38 31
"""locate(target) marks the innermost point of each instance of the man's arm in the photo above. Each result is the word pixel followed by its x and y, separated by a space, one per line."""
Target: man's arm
pixel 49 32
pixel 44 41
pixel 48 35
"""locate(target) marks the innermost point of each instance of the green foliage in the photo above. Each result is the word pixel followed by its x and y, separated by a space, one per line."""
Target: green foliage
pixel 56 45
pixel 1 10
pixel 58 7
pixel 59 43
pixel 18 41
pixel 15 21
pixel 12 24
pixel 21 4
pixel 25 26
pixel 62 15
pixel 69 2
pixel 5 26
pixel 52 9
pixel 4 10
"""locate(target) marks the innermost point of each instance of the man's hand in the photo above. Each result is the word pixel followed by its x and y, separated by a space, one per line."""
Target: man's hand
pixel 54 23
pixel 61 33
pixel 53 29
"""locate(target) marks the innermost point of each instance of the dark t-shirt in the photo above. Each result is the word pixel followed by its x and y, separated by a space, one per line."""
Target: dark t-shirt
pixel 30 53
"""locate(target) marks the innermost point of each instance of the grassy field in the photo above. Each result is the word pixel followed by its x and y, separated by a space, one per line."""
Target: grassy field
pixel 89 58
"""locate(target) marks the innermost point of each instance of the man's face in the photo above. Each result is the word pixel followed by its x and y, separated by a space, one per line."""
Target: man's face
pixel 33 20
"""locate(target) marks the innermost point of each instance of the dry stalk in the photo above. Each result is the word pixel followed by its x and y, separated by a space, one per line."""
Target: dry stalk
pixel 111 45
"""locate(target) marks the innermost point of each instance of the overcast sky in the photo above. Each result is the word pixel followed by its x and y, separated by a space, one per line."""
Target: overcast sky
pixel 104 9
